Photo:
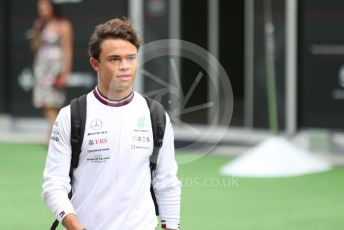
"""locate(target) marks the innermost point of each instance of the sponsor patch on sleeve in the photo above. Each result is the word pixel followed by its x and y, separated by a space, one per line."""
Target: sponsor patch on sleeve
pixel 62 214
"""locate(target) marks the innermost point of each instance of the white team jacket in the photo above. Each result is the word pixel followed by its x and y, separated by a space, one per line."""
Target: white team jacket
pixel 111 188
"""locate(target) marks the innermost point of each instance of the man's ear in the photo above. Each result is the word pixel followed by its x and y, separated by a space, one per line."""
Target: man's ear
pixel 94 63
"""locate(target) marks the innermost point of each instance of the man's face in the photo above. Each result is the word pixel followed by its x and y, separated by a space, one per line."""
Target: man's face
pixel 117 65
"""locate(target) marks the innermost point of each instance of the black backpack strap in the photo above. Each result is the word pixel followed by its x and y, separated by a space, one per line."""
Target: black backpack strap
pixel 158 120
pixel 54 225
pixel 78 120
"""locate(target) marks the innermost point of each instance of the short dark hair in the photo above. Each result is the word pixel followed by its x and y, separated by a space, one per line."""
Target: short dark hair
pixel 118 28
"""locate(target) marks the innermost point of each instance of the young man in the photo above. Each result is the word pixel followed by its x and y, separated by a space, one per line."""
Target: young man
pixel 111 186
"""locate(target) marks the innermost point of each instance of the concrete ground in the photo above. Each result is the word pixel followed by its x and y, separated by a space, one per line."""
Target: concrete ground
pixel 228 142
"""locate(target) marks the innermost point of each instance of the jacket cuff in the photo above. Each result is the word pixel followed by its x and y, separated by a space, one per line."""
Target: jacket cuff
pixel 61 214
pixel 171 224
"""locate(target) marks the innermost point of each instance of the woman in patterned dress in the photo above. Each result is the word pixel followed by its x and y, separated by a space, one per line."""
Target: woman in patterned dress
pixel 53 44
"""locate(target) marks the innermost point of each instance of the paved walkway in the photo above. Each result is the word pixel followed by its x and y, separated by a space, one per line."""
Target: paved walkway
pixel 234 141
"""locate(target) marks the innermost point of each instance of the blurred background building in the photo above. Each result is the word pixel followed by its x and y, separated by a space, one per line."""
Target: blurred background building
pixel 307 60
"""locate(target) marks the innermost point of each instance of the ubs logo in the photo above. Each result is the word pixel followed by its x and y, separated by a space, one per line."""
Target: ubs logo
pixel 96 124
pixel 98 141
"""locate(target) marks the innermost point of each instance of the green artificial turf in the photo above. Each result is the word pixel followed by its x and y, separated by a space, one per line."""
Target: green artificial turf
pixel 21 168
pixel 309 202
pixel 209 201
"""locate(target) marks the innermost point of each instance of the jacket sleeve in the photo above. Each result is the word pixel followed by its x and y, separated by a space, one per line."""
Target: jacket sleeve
pixel 56 181
pixel 166 185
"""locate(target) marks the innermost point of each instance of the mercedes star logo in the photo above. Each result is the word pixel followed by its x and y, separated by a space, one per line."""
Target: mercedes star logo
pixel 96 124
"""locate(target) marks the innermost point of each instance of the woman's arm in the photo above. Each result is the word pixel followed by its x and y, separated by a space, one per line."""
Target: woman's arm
pixel 66 32
pixel 36 32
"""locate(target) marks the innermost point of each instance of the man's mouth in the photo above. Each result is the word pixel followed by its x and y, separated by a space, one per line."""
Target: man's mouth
pixel 124 76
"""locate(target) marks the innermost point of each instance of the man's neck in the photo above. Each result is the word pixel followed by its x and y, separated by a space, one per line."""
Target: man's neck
pixel 114 95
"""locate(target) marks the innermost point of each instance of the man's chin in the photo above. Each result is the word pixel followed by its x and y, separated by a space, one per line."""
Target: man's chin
pixel 121 89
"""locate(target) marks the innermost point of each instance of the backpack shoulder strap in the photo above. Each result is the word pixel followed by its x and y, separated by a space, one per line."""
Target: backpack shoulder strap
pixel 158 120
pixel 78 120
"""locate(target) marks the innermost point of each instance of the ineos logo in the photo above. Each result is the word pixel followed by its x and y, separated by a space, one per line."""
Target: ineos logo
pixel 96 124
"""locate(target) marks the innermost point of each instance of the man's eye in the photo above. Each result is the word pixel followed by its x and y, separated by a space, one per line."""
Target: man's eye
pixel 115 59
pixel 131 58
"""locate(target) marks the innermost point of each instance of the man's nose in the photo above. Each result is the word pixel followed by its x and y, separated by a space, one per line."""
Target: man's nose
pixel 124 64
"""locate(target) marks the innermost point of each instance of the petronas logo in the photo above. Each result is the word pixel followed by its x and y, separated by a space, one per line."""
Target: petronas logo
pixel 141 123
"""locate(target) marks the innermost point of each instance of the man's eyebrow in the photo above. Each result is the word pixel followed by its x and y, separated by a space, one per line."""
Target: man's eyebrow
pixel 115 55
pixel 131 55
